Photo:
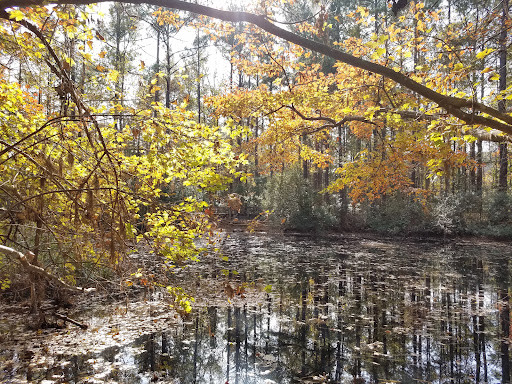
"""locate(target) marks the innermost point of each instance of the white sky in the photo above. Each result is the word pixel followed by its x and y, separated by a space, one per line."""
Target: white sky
pixel 217 68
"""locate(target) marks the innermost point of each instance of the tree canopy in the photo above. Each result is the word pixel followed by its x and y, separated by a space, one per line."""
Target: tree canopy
pixel 466 109
pixel 330 110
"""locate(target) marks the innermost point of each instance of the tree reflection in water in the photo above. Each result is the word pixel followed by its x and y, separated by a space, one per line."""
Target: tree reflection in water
pixel 343 310
pixel 379 312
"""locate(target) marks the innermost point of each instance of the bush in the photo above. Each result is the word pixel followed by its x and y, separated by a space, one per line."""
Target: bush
pixel 499 208
pixel 495 221
pixel 398 214
pixel 459 214
pixel 296 205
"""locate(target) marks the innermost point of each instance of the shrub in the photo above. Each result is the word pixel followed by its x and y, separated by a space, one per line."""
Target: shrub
pixel 498 210
pixel 295 204
pixel 398 214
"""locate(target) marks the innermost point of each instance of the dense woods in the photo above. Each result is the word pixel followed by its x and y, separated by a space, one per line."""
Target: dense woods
pixel 382 115
pixel 135 135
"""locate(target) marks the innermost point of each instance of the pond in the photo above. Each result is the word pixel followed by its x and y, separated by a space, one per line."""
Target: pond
pixel 277 309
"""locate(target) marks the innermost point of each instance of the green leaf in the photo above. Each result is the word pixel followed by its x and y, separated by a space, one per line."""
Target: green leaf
pixel 268 288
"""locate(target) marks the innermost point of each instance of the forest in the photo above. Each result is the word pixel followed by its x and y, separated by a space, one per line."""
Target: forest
pixel 136 136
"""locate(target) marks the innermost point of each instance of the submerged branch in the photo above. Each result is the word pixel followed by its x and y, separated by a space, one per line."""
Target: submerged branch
pixel 70 320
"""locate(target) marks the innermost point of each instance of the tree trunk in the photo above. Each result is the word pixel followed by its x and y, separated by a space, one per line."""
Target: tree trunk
pixel 198 79
pixel 480 167
pixel 305 165
pixel 167 70
pixel 342 141
pixel 472 172
pixel 256 158
pixel 157 92
pixel 503 150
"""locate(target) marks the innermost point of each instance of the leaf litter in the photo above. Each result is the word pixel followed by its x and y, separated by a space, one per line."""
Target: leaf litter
pixel 283 309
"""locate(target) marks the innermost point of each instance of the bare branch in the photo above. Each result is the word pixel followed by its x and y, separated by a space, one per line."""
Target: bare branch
pixel 493 135
pixel 24 260
pixel 319 118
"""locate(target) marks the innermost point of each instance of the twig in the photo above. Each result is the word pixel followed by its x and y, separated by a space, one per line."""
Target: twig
pixel 69 320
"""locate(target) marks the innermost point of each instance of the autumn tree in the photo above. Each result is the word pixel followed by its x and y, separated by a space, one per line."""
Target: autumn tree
pixel 401 81
pixel 74 197
pixel 439 146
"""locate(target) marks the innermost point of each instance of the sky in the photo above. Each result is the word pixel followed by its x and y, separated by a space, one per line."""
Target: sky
pixel 146 50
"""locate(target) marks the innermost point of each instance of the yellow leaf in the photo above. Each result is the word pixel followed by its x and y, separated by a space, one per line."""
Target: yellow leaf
pixel 485 52
pixel 16 15
pixel 113 75
pixel 380 51
pixel 486 70
pixel 494 77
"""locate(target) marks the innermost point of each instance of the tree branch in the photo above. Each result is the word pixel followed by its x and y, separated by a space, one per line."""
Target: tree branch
pixel 319 118
pixel 453 105
pixel 24 260
pixel 331 123
pixel 493 135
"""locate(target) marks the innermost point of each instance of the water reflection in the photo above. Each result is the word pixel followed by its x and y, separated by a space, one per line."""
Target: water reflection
pixel 344 311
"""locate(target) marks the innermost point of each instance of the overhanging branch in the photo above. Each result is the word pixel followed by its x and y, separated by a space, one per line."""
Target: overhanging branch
pixel 330 123
pixel 453 105
pixel 493 135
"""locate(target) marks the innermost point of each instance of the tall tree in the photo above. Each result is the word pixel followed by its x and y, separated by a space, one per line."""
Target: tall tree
pixel 502 86
pixel 120 32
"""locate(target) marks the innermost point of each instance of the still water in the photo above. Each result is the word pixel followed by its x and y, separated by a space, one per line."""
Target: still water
pixel 340 310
